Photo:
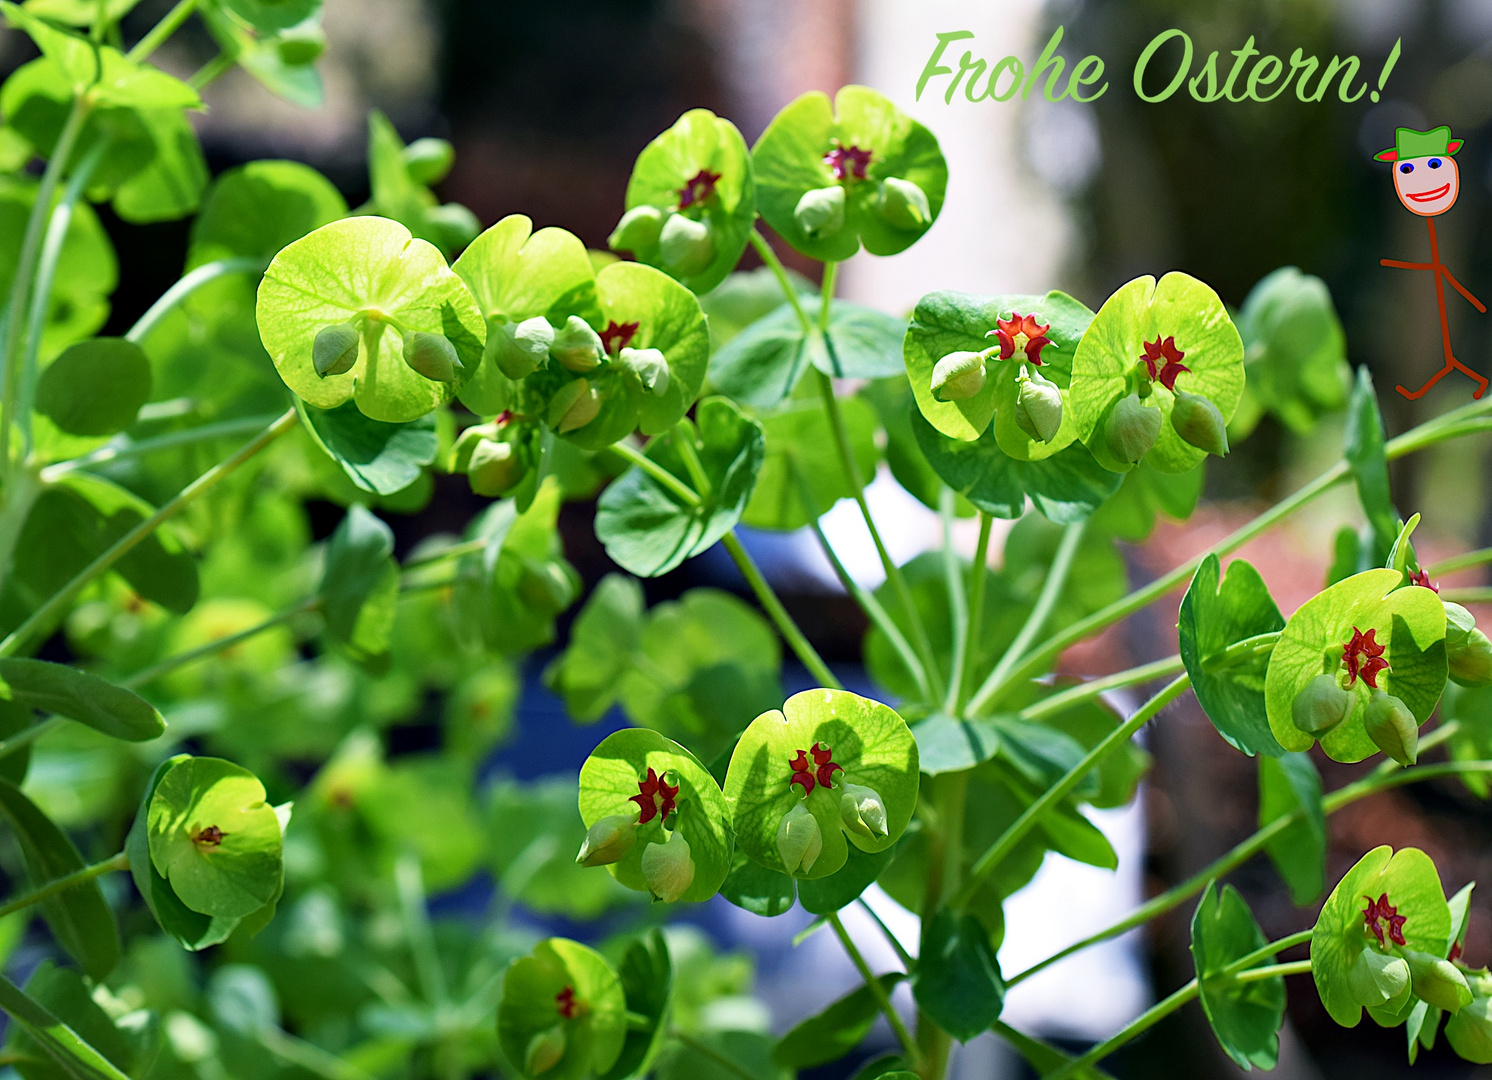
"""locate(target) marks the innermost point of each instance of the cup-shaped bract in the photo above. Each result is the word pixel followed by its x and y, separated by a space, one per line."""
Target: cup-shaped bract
pixel 696 174
pixel 563 1013
pixel 371 271
pixel 1036 333
pixel 1392 903
pixel 1369 634
pixel 655 781
pixel 823 744
pixel 1157 339
pixel 858 142
pixel 1470 1030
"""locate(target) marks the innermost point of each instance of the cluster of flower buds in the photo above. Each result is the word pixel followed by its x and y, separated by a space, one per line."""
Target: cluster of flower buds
pixel 336 349
pixel 1387 971
pixel 1329 698
pixel 900 203
pixel 1037 411
pixel 685 243
pixel 1038 405
pixel 1133 423
pixel 1467 650
pixel 667 865
pixel 1131 428
pixel 490 456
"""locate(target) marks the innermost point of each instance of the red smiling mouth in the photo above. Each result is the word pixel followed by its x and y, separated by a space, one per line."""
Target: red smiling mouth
pixel 1428 196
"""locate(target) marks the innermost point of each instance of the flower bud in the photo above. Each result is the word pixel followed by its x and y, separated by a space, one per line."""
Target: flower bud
pixel 638 229
pixel 958 376
pixel 453 226
pixel 544 1050
pixel 1470 659
pixel 429 160
pixel 301 45
pixel 1376 978
pixel 1458 623
pixel 1470 1030
pixel 1198 421
pixel 1321 705
pixel 799 840
pixel 520 349
pixel 1437 981
pixel 576 346
pixel 685 245
pixel 493 467
pixel 335 349
pixel 903 204
pixel 1038 406
pixel 862 811
pixel 667 867
pixel 546 586
pixel 647 368
pixel 820 212
pixel 1131 429
pixel 574 405
pixel 1392 727
pixel 432 356
pixel 608 840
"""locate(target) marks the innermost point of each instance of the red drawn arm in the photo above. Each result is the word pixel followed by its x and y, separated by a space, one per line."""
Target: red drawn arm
pixel 1462 290
pixel 1396 264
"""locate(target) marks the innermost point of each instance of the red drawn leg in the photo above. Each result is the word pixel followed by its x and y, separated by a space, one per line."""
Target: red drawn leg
pixel 1423 390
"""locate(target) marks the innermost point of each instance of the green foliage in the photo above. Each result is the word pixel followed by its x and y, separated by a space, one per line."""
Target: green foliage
pixel 958 976
pixel 831 1034
pixel 1290 784
pixel 1294 353
pixel 1244 1016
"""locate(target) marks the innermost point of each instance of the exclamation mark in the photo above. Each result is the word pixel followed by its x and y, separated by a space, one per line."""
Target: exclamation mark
pixel 1388 67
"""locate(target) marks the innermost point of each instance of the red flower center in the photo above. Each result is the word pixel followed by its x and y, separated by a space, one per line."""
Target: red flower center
pixel 654 797
pixel 1379 916
pixel 821 770
pixel 1422 579
pixel 847 162
pixel 1364 658
pixel 617 336
pixel 698 188
pixel 1163 361
pixel 565 1002
pixel 1021 333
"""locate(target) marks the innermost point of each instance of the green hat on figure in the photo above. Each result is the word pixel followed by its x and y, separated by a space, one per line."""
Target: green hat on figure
pixel 1409 143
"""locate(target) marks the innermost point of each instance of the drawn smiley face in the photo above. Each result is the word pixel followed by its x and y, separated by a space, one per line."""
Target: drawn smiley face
pixel 1427 185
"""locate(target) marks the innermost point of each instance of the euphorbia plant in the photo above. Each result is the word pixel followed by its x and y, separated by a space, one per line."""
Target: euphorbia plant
pixel 358 353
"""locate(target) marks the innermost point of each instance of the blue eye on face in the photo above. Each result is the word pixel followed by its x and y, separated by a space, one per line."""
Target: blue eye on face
pixel 1434 163
pixel 1406 168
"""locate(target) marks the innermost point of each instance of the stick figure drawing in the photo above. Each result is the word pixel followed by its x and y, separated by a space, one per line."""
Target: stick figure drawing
pixel 1427 182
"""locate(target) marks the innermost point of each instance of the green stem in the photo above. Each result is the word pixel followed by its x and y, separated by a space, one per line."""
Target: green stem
pixel 308 1056
pixel 1020 1040
pixel 877 991
pixel 1051 592
pixel 218 645
pixel 162 30
pixel 417 931
pixel 1269 952
pixel 46 1028
pixel 958 601
pixel 41 619
pixel 1478 595
pixel 26 736
pixel 62 884
pixel 908 961
pixel 769 257
pixel 1294 967
pixel 826 296
pixel 970 646
pixel 1140 1024
pixel 21 492
pixel 211 71
pixel 1028 819
pixel 684 436
pixel 682 491
pixel 188 284
pixel 222 429
pixel 453 551
pixel 704 1049
pixel 1479 557
pixel 802 649
pixel 1077 695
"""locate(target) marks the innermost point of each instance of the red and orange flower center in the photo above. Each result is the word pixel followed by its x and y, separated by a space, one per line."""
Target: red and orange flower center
pixel 847 162
pixel 1163 361
pixel 1021 333
pixel 1364 658
pixel 698 188
pixel 1422 579
pixel 655 798
pixel 565 1002
pixel 617 336
pixel 819 771
pixel 1381 917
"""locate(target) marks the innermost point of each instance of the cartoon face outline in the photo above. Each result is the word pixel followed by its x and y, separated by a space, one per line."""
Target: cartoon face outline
pixel 1427 186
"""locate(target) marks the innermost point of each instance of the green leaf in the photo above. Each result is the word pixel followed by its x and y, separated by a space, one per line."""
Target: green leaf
pixel 744 297
pixel 821 896
pixel 1146 494
pixel 254 210
pixel 870 743
pixel 1366 459
pixel 349 268
pixel 957 981
pixel 750 1053
pixel 1067 487
pixel 360 586
pixel 1287 784
pixel 1121 771
pixel 170 187
pixel 300 84
pixel 76 1059
pixel 1042 1057
pixel 1216 612
pixel 593 1038
pixel 1295 352
pixel 79 12
pixel 214 838
pixel 65 994
pixel 80 918
pixel 397 194
pixel 1472 740
pixel 603 638
pixel 647 529
pixel 831 1034
pixel 96 387
pixel 612 776
pixel 947 744
pixel 379 457
pixel 1104 369
pixel 80 696
pixel 1410 624
pixel 242 999
pixel 892 398
pixel 1245 1017
pixel 698 142
pixel 789 159
pixel 802 452
pixel 751 886
pixel 268 16
pixel 647 981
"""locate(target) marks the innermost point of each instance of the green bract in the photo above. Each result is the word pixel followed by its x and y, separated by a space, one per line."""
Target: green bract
pixel 869 745
pixel 945 323
pixel 372 271
pixel 1177 315
pixel 632 764
pixel 1295 352
pixel 1409 625
pixel 1245 1017
pixel 563 1013
pixel 856 143
pixel 1343 931
pixel 698 171
pixel 254 210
